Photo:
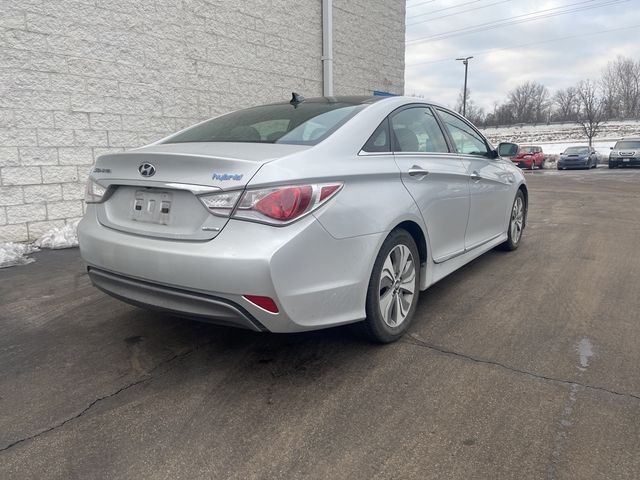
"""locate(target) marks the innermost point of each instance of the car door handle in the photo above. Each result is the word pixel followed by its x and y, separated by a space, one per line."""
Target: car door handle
pixel 417 171
pixel 475 176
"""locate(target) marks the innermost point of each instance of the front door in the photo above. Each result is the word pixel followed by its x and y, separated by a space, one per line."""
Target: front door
pixel 489 182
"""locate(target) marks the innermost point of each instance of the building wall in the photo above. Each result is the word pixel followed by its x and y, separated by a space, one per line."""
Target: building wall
pixel 82 78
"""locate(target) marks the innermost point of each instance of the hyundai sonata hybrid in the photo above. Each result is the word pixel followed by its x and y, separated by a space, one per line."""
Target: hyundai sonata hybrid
pixel 301 215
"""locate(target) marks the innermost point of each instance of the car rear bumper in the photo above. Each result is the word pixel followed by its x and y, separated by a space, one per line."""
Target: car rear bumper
pixel 316 280
pixel 173 300
pixel 624 162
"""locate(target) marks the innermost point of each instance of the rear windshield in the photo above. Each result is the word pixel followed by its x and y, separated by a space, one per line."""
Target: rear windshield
pixel 577 150
pixel 304 124
pixel 624 144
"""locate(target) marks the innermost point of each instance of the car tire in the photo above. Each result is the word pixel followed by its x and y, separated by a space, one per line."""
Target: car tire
pixel 611 165
pixel 517 222
pixel 395 272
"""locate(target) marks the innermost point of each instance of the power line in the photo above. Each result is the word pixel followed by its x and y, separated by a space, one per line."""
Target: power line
pixel 441 9
pixel 456 13
pixel 510 19
pixel 491 50
pixel 421 3
pixel 514 20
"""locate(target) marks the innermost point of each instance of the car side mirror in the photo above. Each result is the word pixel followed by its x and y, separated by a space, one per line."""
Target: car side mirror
pixel 506 149
pixel 610 148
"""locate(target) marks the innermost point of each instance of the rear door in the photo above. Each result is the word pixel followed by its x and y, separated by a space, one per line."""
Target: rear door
pixel 489 181
pixel 436 179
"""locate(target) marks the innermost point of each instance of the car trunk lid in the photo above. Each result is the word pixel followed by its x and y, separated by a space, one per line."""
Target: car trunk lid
pixel 154 191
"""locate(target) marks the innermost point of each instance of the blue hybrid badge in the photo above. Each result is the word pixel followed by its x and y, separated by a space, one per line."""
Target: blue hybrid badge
pixel 227 176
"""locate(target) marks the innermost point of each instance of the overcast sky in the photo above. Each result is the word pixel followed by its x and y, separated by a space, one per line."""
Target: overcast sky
pixel 432 72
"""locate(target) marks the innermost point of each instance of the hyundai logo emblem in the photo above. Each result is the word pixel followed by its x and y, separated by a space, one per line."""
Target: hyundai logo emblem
pixel 147 170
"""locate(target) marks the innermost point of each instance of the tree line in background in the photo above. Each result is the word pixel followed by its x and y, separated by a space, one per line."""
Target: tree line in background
pixel 616 95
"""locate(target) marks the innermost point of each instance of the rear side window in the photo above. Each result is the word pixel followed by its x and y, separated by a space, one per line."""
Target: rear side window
pixel 416 130
pixel 464 136
pixel 303 124
pixel 379 140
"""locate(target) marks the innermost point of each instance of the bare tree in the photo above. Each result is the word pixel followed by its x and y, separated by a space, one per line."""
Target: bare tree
pixel 609 87
pixel 591 111
pixel 474 113
pixel 620 85
pixel 529 102
pixel 567 104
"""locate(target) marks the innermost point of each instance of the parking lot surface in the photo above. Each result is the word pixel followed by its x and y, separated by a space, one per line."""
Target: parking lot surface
pixel 521 365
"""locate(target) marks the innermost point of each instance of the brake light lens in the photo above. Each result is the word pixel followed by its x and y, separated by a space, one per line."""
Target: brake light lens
pixel 327 190
pixel 283 205
pixel 94 193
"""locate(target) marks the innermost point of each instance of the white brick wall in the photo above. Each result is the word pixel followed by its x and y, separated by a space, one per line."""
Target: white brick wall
pixel 82 78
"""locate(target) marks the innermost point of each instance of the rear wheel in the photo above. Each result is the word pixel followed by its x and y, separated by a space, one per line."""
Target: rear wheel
pixel 516 223
pixel 393 291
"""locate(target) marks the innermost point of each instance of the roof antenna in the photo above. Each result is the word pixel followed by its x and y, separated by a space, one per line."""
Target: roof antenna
pixel 296 99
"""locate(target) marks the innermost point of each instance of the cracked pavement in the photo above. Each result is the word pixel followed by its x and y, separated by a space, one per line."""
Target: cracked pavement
pixel 521 365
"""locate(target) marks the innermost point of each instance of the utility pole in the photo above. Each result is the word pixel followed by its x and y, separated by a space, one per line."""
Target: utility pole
pixel 465 61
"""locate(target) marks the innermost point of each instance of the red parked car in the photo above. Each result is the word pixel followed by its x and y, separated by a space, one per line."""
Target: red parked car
pixel 529 157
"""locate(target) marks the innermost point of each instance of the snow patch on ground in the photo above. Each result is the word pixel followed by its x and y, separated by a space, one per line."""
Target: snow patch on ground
pixel 63 237
pixel 12 254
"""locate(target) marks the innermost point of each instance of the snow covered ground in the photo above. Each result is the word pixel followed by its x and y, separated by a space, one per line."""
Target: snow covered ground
pixel 555 138
pixel 554 133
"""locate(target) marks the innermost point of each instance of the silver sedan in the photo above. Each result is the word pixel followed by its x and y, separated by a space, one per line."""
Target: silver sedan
pixel 301 215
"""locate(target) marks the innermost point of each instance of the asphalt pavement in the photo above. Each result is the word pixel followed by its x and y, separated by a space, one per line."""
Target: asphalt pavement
pixel 522 365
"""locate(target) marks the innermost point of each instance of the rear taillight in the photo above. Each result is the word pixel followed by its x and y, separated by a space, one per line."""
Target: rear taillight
pixel 94 192
pixel 275 206
pixel 283 205
pixel 221 203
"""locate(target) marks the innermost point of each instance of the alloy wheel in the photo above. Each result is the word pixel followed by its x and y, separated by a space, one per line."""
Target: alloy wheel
pixel 517 219
pixel 397 285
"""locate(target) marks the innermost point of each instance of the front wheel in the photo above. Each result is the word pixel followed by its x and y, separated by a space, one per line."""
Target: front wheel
pixel 516 223
pixel 393 290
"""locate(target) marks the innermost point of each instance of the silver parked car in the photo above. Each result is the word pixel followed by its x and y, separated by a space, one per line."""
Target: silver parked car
pixel 301 215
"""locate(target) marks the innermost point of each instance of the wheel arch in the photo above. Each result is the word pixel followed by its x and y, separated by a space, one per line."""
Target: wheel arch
pixel 418 236
pixel 525 193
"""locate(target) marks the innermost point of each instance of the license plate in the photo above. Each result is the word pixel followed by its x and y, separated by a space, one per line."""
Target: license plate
pixel 625 159
pixel 151 207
